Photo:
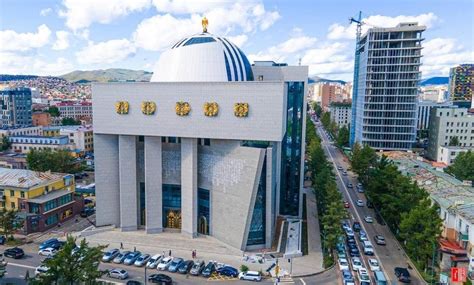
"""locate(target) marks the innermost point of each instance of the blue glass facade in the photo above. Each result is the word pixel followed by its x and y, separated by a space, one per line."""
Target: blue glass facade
pixel 171 205
pixel 291 150
pixel 257 226
pixel 204 208
pixel 15 107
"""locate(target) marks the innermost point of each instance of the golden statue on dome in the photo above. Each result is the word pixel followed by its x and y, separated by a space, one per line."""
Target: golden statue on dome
pixel 205 23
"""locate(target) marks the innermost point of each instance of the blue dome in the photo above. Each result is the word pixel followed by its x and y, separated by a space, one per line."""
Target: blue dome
pixel 203 57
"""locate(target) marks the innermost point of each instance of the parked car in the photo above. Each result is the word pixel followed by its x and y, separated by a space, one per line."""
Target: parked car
pixel 164 263
pixel 380 240
pixel 354 251
pixel 47 252
pixel 87 211
pixel 350 240
pixel 154 261
pixel 228 271
pixel 209 269
pixel 3 239
pixel 121 257
pixel 47 243
pixel 40 270
pixel 14 252
pixel 339 167
pixel 161 279
pixel 197 268
pixel 118 273
pixel 364 276
pixel 360 203
pixel 175 263
pixel 134 282
pixel 185 266
pixel 356 263
pixel 349 185
pixel 373 264
pixel 346 204
pixel 110 255
pixel 359 185
pixel 368 248
pixel 402 274
pixel 343 264
pixel 363 236
pixel 349 232
pixel 368 219
pixel 142 260
pixel 131 257
pixel 347 276
pixel 250 276
pixel 356 227
pixel 344 173
pixel 58 245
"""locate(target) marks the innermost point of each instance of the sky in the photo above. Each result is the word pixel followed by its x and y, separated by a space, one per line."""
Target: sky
pixel 53 37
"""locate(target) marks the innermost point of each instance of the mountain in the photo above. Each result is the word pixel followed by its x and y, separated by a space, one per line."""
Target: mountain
pixel 317 79
pixel 434 81
pixel 107 75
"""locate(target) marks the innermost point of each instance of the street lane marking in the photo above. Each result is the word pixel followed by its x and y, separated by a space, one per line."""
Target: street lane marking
pixel 21 265
pixel 302 281
pixel 357 213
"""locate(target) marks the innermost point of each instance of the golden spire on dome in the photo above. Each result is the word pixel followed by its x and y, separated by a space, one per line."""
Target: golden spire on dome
pixel 205 23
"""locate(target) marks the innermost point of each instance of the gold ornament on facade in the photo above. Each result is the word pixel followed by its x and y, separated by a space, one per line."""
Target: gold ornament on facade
pixel 148 107
pixel 211 109
pixel 121 107
pixel 182 108
pixel 204 23
pixel 241 109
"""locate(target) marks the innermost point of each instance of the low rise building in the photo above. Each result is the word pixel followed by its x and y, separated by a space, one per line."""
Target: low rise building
pixel 13 160
pixel 41 119
pixel 449 153
pixel 75 110
pixel 23 144
pixel 26 131
pixel 42 199
pixel 341 113
pixel 81 137
pixel 446 123
pixel 434 93
pixel 424 111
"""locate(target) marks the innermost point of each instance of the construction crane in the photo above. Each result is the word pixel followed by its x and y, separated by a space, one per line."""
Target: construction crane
pixel 359 23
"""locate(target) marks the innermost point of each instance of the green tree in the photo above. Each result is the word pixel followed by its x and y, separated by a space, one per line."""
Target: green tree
pixel 343 137
pixel 310 131
pixel 317 109
pixel 9 223
pixel 463 166
pixel 326 120
pixel 420 229
pixel 362 160
pixel 52 160
pixel 69 122
pixel 53 111
pixel 5 144
pixel 73 266
pixel 454 141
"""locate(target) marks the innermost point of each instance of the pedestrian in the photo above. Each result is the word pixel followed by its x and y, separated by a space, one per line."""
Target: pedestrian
pixel 195 253
pixel 163 254
pixel 192 254
pixel 169 253
pixel 134 248
pixel 121 245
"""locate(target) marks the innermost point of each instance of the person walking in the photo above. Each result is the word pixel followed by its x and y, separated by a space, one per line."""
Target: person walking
pixel 169 253
pixel 195 253
pixel 134 248
pixel 121 245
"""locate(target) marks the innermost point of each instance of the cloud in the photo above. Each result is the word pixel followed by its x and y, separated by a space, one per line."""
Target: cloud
pixel 187 6
pixel 440 54
pixel 81 14
pixel 225 18
pixel 334 58
pixel 337 31
pixel 13 41
pixel 12 63
pixel 45 12
pixel 239 40
pixel 106 52
pixel 285 49
pixel 62 40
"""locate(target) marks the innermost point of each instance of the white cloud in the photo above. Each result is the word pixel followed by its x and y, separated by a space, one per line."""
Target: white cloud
pixel 106 52
pixel 62 40
pixel 11 63
pixel 285 49
pixel 187 6
pixel 81 14
pixel 13 41
pixel 337 31
pixel 239 40
pixel 330 59
pixel 45 12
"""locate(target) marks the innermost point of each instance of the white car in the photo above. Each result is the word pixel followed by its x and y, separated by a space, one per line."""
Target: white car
pixel 368 219
pixel 343 264
pixel 250 276
pixel 164 263
pixel 360 203
pixel 48 251
pixel 118 274
pixel 374 264
pixel 356 264
pixel 364 276
pixel 40 270
pixel 349 232
pixel 154 261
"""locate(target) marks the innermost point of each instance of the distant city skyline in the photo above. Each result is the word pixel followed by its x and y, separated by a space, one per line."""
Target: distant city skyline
pixel 53 37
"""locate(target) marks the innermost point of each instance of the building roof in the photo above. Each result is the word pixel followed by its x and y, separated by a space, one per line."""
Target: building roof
pixel 450 193
pixel 21 178
pixel 49 196
pixel 203 57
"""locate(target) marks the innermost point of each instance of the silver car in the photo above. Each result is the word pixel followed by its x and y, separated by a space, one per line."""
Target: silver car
pixel 142 260
pixel 197 268
pixel 118 274
pixel 121 257
pixel 154 261
pixel 110 255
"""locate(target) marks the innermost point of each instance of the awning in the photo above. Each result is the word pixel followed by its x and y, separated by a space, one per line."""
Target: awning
pixel 460 258
pixel 450 247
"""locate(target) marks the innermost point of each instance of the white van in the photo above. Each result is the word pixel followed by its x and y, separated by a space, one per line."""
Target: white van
pixel 250 275
pixel 368 248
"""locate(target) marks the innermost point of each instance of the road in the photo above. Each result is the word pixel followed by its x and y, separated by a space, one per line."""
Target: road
pixel 390 255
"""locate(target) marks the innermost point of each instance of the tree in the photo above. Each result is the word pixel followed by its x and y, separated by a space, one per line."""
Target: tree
pixel 317 109
pixel 420 229
pixel 54 111
pixel 343 137
pixel 9 223
pixel 5 144
pixel 362 160
pixel 454 141
pixel 326 120
pixel 55 161
pixel 69 122
pixel 463 166
pixel 72 264
pixel 310 131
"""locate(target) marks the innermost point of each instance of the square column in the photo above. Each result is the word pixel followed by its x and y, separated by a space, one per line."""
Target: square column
pixel 128 183
pixel 153 185
pixel 189 186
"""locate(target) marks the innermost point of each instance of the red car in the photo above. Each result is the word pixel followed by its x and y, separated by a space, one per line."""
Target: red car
pixel 346 204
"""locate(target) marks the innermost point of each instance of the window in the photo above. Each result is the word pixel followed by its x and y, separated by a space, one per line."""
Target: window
pixel 12 205
pixel 51 220
pixel 22 194
pixel 12 193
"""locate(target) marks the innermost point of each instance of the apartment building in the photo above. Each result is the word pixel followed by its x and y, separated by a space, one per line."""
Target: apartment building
pixel 341 113
pixel 24 144
pixel 75 110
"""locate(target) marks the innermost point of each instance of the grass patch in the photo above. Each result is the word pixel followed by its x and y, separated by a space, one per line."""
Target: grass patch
pixel 328 260
pixel 13 242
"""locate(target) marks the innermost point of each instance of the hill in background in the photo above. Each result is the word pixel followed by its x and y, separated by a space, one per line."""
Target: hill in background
pixel 434 81
pixel 317 79
pixel 107 75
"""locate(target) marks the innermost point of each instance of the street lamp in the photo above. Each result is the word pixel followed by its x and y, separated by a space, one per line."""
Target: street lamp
pixel 146 279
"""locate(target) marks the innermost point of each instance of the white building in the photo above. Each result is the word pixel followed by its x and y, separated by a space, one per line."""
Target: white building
pixel 75 110
pixel 24 144
pixel 203 148
pixel 26 131
pixel 424 111
pixel 435 93
pixel 448 154
pixel 341 113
